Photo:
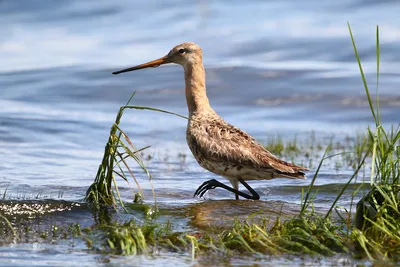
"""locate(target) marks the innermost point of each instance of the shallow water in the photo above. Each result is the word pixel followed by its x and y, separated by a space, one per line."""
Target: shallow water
pixel 273 68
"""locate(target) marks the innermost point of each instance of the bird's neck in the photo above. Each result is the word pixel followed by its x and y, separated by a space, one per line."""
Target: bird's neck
pixel 195 80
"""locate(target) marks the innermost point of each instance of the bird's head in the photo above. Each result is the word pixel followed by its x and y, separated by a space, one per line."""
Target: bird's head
pixel 183 54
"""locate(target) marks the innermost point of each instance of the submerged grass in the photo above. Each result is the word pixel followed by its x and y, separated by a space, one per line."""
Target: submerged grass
pixel 303 234
pixel 344 152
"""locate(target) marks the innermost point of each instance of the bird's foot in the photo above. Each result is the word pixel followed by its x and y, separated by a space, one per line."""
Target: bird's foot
pixel 208 185
pixel 211 184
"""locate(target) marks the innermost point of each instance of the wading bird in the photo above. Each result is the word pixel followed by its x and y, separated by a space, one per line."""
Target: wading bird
pixel 217 145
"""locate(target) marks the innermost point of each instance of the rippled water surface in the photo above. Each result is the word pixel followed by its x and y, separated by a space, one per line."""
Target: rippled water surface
pixel 273 68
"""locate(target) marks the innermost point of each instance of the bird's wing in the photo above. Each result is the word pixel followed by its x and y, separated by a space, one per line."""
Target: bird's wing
pixel 221 141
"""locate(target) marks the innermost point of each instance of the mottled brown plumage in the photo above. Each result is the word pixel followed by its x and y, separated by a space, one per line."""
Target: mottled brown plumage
pixel 217 145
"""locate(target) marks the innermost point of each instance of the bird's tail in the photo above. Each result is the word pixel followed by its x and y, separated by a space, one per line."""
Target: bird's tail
pixel 296 175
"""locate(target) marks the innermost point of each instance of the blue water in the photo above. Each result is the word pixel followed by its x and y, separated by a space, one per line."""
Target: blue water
pixel 273 67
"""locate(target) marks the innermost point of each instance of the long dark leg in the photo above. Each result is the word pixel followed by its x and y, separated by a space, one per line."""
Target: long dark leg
pixel 251 190
pixel 211 184
pixel 235 185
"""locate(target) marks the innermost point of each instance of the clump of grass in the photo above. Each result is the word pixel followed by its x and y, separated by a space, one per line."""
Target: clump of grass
pixel 5 227
pixel 126 239
pixel 118 150
pixel 276 145
pixel 300 235
pixel 303 234
pixel 378 213
pixel 132 238
pixel 308 150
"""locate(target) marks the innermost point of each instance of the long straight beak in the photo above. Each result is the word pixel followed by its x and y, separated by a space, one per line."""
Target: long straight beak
pixel 154 63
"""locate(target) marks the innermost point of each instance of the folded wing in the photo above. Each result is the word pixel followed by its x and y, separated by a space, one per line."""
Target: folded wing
pixel 221 141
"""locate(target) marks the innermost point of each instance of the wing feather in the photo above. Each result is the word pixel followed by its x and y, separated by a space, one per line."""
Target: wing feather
pixel 221 141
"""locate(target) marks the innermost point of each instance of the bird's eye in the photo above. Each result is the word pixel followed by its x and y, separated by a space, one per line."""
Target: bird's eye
pixel 181 50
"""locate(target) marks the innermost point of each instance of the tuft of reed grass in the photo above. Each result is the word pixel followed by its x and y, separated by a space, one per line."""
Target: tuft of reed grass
pixel 118 150
pixel 377 218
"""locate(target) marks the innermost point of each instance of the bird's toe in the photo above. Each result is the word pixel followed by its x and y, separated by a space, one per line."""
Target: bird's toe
pixel 200 188
pixel 211 184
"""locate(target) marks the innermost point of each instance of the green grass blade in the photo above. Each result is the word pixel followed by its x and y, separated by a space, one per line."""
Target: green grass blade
pixel 304 206
pixel 129 100
pixel 346 185
pixel 373 164
pixel 363 76
pixel 133 176
pixel 156 109
pixel 378 59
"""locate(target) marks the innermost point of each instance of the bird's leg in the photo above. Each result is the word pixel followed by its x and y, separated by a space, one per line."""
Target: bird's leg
pixel 235 185
pixel 251 190
pixel 211 184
